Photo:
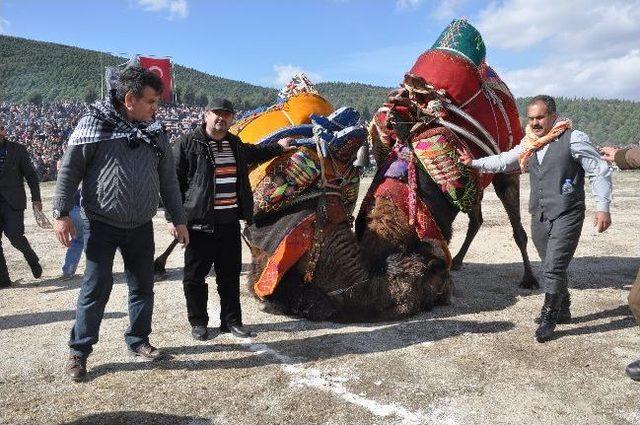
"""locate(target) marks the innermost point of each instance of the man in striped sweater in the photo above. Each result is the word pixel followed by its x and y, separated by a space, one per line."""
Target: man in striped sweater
pixel 212 167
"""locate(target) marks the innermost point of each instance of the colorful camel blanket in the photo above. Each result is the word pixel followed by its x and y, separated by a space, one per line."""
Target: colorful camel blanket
pixel 427 230
pixel 293 245
pixel 288 239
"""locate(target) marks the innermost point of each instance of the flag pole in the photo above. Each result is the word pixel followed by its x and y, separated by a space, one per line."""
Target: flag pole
pixel 173 84
pixel 102 74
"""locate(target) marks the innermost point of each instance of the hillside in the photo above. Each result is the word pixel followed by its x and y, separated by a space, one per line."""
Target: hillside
pixel 62 72
pixel 52 71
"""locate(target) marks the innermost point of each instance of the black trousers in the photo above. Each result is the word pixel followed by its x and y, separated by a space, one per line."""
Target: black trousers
pixel 223 250
pixel 12 225
pixel 556 242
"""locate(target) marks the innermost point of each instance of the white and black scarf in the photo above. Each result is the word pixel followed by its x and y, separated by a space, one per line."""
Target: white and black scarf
pixel 104 123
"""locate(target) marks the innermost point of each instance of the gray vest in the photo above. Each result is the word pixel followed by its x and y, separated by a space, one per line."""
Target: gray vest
pixel 547 179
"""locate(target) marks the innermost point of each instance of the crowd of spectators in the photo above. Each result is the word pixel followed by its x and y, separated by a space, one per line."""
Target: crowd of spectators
pixel 44 129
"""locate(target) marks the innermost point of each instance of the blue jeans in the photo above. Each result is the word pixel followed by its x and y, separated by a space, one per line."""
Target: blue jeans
pixel 137 247
pixel 74 252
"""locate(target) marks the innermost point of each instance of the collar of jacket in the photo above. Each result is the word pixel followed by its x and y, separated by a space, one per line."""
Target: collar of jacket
pixel 201 137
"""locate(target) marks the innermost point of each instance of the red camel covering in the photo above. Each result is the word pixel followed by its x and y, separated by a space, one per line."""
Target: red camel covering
pixel 476 90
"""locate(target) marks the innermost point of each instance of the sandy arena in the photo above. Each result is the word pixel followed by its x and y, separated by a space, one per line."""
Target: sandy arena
pixel 473 362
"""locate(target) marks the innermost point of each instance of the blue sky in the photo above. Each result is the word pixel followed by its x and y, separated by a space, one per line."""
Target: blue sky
pixel 561 47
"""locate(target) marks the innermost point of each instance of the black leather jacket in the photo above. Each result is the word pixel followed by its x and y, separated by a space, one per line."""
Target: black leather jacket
pixel 195 170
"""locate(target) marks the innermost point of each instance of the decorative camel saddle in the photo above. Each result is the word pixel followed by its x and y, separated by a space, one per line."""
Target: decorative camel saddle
pixel 317 181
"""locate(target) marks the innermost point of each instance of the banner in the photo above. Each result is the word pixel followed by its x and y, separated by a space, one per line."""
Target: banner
pixel 162 67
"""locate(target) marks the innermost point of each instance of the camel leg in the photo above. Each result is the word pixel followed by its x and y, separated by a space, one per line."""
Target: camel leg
pixel 161 261
pixel 507 188
pixel 475 221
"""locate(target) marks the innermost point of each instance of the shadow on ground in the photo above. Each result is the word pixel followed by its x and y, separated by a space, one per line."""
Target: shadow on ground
pixel 42 318
pixel 136 418
pixel 309 349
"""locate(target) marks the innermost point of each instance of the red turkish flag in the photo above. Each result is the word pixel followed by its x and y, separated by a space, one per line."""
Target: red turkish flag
pixel 162 67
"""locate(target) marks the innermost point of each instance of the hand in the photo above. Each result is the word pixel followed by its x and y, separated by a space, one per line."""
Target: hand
pixel 180 233
pixel 465 157
pixel 285 142
pixel 37 205
pixel 558 129
pixel 64 230
pixel 555 132
pixel 602 221
pixel 609 153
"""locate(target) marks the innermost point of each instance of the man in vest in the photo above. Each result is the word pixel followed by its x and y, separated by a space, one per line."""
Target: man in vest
pixel 557 158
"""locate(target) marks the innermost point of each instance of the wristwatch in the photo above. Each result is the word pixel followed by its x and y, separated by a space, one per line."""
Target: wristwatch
pixel 57 214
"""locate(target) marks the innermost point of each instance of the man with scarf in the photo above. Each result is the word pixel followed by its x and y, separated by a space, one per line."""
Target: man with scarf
pixel 628 158
pixel 557 159
pixel 124 161
pixel 15 168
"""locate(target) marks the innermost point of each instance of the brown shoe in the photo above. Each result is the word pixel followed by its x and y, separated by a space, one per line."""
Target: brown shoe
pixel 146 351
pixel 77 368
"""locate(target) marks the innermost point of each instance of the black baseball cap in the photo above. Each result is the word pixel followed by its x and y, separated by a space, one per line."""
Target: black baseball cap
pixel 219 104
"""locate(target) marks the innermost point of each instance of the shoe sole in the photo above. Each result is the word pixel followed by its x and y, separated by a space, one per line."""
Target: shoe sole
pixel 559 322
pixel 242 336
pixel 79 378
pixel 145 358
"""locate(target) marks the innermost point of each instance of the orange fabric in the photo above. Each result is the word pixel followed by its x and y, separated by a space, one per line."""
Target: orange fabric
pixel 289 251
pixel 532 143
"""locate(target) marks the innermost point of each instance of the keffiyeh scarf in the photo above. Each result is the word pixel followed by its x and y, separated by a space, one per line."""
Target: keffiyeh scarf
pixel 104 123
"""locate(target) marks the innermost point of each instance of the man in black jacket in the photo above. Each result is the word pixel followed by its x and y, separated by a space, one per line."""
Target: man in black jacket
pixel 15 168
pixel 212 167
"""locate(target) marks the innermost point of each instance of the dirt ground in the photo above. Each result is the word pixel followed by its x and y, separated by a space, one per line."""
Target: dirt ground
pixel 473 362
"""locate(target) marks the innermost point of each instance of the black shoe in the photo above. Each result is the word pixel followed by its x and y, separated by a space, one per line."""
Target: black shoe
pixel 146 351
pixel 237 330
pixel 36 269
pixel 5 284
pixel 77 368
pixel 564 314
pixel 549 317
pixel 633 370
pixel 199 332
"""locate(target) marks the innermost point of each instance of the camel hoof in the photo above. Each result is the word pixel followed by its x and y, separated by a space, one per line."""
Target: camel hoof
pixel 529 282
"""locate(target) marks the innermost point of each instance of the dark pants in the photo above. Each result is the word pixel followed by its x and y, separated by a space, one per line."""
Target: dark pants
pixel 223 250
pixel 12 225
pixel 556 242
pixel 136 246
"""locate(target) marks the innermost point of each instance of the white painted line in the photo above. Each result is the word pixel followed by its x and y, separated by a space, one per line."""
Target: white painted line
pixel 315 378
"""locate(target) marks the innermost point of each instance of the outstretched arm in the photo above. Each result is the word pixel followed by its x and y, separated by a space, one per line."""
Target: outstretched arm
pixel 500 163
pixel 256 154
pixel 625 158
